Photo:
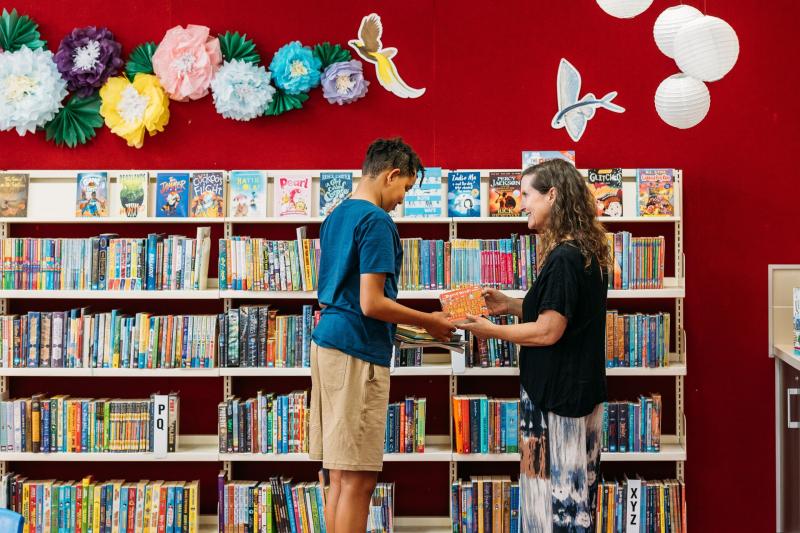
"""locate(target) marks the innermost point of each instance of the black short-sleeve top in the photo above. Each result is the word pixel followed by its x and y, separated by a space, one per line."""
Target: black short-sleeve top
pixel 569 377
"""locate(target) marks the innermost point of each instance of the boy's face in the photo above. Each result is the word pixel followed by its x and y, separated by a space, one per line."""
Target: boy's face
pixel 395 187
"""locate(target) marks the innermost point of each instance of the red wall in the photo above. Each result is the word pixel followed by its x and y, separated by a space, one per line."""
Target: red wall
pixel 490 69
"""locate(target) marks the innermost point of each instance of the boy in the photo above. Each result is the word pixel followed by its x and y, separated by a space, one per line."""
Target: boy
pixel 360 263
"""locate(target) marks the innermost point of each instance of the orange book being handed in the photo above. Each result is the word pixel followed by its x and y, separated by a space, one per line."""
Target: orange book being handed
pixel 462 302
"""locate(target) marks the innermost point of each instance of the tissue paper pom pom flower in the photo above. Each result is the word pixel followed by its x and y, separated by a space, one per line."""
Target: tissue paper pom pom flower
pixel 31 89
pixel 186 60
pixel 343 82
pixel 295 68
pixel 87 57
pixel 241 90
pixel 131 108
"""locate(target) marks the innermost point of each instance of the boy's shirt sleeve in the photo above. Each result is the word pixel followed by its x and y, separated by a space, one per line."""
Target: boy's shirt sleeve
pixel 375 238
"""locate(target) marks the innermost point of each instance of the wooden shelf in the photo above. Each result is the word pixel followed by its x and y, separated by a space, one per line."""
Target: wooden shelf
pixel 671 451
pixel 269 295
pixel 524 220
pixel 203 448
pixel 672 289
pixel 191 448
pixel 422 524
pixel 786 353
pixel 207 294
pixel 111 220
pixel 265 372
pixel 677 369
pixel 156 372
pixel 402 524
pixel 305 220
pixel 424 370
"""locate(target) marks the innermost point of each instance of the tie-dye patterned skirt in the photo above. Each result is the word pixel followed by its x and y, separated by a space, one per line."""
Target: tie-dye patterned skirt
pixel 558 469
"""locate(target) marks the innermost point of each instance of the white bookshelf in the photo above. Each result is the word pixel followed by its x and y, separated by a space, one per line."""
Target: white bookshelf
pixel 402 524
pixel 204 448
pixel 191 448
pixel 430 370
pixel 208 294
pixel 673 288
pixel 51 201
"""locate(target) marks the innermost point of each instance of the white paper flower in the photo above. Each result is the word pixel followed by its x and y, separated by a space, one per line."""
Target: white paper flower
pixel 31 89
pixel 241 90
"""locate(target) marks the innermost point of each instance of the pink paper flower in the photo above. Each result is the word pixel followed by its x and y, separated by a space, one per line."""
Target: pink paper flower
pixel 186 60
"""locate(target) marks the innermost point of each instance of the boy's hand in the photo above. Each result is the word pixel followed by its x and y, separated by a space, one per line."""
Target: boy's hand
pixel 439 326
pixel 496 301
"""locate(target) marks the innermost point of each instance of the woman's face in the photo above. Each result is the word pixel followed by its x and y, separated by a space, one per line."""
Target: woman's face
pixel 537 205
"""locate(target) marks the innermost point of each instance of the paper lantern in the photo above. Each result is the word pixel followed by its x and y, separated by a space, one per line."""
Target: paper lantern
pixel 682 101
pixel 669 22
pixel 706 48
pixel 624 9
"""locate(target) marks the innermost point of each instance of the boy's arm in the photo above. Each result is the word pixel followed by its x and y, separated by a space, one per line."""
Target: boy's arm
pixel 375 304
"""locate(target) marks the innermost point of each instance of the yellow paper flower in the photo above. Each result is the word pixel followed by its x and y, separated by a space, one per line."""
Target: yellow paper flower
pixel 131 108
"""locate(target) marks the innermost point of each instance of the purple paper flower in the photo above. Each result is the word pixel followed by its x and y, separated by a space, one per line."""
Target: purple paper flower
pixel 343 82
pixel 87 57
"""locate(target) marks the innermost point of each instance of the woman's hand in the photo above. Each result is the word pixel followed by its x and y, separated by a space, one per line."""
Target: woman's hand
pixel 479 326
pixel 496 301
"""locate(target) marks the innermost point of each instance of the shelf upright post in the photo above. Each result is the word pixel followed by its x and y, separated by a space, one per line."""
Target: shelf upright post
pixel 453 382
pixel 4 384
pixel 227 381
pixel 680 419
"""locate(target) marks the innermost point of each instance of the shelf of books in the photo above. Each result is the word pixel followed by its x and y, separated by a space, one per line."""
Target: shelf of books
pixel 225 292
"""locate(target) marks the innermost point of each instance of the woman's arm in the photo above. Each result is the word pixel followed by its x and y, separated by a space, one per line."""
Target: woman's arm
pixel 515 307
pixel 546 331
pixel 500 304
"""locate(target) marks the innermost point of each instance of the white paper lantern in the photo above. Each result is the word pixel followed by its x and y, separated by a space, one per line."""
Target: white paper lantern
pixel 669 22
pixel 682 101
pixel 706 48
pixel 624 9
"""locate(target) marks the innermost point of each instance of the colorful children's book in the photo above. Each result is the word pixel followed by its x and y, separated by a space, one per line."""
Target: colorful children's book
pixel 424 200
pixel 464 194
pixel 14 195
pixel 333 188
pixel 462 302
pixel 293 196
pixel 208 195
pixel 656 192
pixel 505 197
pixel 172 195
pixel 92 194
pixel 606 186
pixel 534 158
pixel 248 194
pixel 132 194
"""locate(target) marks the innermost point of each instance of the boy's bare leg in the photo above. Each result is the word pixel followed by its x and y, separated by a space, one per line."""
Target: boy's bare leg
pixel 333 500
pixel 352 508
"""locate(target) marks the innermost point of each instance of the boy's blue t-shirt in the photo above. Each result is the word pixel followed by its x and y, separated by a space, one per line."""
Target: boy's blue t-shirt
pixel 357 238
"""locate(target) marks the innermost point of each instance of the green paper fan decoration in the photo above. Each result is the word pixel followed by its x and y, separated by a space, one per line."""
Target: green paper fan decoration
pixel 331 53
pixel 17 31
pixel 141 60
pixel 235 46
pixel 76 122
pixel 282 102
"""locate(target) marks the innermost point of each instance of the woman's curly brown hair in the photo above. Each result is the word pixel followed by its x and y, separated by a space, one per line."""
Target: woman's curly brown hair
pixel 573 216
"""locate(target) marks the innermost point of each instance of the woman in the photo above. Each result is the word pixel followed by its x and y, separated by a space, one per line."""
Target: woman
pixel 562 355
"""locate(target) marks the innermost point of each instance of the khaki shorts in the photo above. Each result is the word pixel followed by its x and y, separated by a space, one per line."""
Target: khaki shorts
pixel 349 399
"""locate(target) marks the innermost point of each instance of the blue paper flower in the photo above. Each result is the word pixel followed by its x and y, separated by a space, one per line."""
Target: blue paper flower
pixel 241 90
pixel 295 68
pixel 31 89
